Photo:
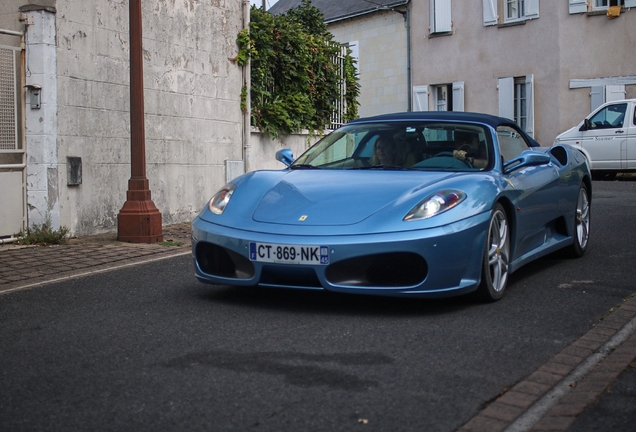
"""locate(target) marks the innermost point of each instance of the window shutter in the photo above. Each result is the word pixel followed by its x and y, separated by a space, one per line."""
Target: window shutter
pixel 578 6
pixel 532 9
pixel 506 97
pixel 597 97
pixel 440 16
pixel 614 92
pixel 420 98
pixel 458 96
pixel 490 12
pixel 530 105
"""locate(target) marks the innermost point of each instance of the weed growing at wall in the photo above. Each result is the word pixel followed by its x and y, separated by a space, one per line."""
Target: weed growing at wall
pixel 43 234
pixel 295 80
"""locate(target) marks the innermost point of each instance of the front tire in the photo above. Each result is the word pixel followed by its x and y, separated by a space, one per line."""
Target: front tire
pixel 494 268
pixel 581 222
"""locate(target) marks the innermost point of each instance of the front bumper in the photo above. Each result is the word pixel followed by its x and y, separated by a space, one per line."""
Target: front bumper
pixel 436 262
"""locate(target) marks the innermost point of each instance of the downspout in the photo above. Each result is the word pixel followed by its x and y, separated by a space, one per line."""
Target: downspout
pixel 407 22
pixel 248 103
pixel 409 93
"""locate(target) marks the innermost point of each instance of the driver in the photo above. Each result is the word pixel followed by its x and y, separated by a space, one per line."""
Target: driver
pixel 467 149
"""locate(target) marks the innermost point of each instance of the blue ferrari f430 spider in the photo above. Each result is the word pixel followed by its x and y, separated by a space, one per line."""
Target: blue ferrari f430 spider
pixel 426 204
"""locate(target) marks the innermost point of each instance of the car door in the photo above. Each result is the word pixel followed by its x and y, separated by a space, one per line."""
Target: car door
pixel 631 136
pixel 604 137
pixel 537 193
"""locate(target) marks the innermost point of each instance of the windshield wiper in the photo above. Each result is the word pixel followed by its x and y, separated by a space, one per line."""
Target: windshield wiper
pixel 303 166
pixel 382 167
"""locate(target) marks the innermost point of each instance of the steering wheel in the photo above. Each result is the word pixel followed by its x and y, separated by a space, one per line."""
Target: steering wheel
pixel 444 154
pixel 450 154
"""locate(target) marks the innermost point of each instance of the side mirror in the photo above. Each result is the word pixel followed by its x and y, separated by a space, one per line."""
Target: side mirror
pixel 285 156
pixel 527 159
pixel 587 125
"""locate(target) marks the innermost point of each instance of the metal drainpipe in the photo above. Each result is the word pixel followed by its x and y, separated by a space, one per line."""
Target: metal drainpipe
pixel 248 103
pixel 409 93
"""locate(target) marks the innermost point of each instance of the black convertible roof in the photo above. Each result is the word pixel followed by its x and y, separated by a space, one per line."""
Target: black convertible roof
pixel 488 119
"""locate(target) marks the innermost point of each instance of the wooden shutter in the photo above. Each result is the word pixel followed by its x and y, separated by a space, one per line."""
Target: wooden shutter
pixel 490 12
pixel 420 98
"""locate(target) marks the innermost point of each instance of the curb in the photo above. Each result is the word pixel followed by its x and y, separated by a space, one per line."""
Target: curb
pixel 553 396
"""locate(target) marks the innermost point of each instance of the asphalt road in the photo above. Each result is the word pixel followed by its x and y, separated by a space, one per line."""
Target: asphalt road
pixel 149 348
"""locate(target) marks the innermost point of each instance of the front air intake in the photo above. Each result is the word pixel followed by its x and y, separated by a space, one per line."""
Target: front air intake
pixel 219 261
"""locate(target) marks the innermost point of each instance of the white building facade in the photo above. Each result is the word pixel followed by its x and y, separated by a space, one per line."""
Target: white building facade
pixel 72 108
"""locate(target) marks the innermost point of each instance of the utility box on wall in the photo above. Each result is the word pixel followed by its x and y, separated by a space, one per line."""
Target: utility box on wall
pixel 73 171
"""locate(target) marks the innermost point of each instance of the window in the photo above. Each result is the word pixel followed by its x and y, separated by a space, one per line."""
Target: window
pixel 513 11
pixel 511 143
pixel 441 101
pixel 440 16
pixel 446 97
pixel 583 6
pixel 604 4
pixel 610 117
pixel 516 101
pixel 520 103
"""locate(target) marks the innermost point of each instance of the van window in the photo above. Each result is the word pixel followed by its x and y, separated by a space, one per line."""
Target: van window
pixel 612 116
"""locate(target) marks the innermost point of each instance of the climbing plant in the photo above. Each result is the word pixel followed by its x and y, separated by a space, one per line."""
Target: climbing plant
pixel 295 80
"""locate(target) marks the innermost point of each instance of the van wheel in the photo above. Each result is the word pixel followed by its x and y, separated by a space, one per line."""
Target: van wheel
pixel 604 175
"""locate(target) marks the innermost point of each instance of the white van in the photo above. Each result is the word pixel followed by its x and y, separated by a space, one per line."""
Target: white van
pixel 607 137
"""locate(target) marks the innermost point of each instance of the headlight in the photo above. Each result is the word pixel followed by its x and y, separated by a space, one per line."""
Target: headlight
pixel 436 204
pixel 221 198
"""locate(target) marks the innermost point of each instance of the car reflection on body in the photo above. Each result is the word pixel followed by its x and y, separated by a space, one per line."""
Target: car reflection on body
pixel 465 200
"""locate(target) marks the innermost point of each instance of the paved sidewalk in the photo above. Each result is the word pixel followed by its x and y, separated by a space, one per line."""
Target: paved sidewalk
pixel 550 399
pixel 23 267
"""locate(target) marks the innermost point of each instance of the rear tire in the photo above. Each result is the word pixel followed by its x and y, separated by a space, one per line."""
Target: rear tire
pixel 581 232
pixel 494 268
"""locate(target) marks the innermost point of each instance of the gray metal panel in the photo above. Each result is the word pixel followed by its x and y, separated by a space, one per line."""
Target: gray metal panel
pixel 335 10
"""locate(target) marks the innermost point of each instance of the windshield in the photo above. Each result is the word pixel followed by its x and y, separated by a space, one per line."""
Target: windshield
pixel 446 146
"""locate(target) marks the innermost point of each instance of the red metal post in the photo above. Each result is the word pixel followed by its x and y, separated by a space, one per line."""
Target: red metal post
pixel 139 220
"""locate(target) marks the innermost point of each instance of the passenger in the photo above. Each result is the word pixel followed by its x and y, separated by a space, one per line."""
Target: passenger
pixel 385 153
pixel 468 148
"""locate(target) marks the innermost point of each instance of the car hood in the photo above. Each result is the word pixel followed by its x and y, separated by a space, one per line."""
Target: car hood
pixel 329 198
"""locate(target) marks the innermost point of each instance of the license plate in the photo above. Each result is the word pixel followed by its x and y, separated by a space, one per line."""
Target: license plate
pixel 289 254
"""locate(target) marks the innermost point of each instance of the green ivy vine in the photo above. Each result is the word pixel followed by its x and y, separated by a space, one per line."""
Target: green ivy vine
pixel 294 79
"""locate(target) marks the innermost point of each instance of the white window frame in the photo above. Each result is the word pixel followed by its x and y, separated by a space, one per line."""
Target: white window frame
pixel 526 10
pixel 440 16
pixel 440 103
pixel 582 6
pixel 594 4
pixel 443 104
pixel 507 100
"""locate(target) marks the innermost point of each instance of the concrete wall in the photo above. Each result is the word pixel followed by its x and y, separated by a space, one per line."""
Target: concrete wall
pixel 554 48
pixel 79 52
pixel 263 149
pixel 382 60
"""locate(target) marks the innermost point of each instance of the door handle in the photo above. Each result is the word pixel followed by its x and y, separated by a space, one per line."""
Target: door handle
pixel 620 131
